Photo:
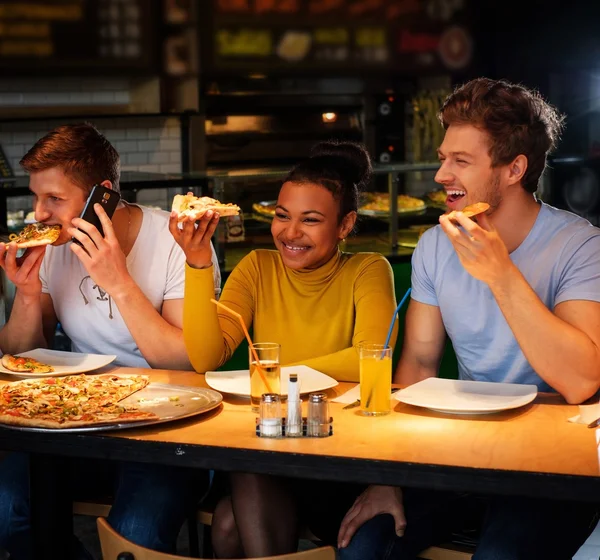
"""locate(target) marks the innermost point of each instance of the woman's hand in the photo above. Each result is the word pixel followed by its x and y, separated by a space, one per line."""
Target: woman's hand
pixel 195 241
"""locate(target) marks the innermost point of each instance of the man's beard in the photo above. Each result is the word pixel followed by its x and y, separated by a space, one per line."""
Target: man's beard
pixel 491 193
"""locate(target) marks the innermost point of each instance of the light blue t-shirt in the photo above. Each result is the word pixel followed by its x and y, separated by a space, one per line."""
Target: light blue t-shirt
pixel 560 259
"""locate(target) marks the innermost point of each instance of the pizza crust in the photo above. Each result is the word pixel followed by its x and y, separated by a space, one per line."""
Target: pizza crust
pixel 38 243
pixel 12 420
pixel 23 421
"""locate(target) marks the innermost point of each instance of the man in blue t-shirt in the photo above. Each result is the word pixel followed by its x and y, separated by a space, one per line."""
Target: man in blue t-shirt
pixel 518 293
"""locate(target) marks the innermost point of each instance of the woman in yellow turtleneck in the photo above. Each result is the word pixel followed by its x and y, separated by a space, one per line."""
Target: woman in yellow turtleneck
pixel 312 299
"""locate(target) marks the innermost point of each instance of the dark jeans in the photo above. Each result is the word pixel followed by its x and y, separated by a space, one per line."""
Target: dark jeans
pixel 150 504
pixel 512 529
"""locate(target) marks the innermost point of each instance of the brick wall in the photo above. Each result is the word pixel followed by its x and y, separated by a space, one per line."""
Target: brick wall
pixel 145 144
pixel 150 144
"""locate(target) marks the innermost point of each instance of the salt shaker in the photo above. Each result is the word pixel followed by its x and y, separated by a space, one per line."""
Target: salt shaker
pixel 293 427
pixel 318 415
pixel 270 415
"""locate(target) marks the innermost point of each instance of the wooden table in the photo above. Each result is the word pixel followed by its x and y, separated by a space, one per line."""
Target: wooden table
pixel 531 451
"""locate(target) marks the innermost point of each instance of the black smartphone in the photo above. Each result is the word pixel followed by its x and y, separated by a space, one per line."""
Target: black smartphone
pixel 109 200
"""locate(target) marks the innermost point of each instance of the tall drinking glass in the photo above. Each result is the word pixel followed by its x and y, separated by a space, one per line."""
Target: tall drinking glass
pixel 375 361
pixel 265 377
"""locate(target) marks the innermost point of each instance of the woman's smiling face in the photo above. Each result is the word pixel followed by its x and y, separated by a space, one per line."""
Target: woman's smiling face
pixel 306 228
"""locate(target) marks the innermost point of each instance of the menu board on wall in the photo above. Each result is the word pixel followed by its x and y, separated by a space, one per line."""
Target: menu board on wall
pixel 77 35
pixel 339 34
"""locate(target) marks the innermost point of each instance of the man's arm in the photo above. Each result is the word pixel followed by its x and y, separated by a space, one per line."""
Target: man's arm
pixel 23 330
pixel 424 339
pixel 159 337
pixel 563 345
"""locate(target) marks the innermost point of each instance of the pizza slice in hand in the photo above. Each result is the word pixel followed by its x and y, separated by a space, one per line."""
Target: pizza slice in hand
pixel 190 206
pixel 470 211
pixel 35 235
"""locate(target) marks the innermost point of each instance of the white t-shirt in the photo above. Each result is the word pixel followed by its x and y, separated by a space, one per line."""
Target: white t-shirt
pixel 156 263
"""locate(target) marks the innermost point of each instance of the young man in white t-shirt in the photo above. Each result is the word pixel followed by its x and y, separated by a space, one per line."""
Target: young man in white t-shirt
pixel 122 295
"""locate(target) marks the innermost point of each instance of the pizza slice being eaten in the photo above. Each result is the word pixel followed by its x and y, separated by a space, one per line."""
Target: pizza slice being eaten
pixel 470 211
pixel 24 364
pixel 190 206
pixel 35 235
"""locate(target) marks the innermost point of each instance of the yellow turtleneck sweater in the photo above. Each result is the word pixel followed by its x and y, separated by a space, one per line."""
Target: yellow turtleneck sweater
pixel 317 316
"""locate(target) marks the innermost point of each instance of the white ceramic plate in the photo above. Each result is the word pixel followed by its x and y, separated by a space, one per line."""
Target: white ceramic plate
pixel 466 397
pixel 64 363
pixel 238 382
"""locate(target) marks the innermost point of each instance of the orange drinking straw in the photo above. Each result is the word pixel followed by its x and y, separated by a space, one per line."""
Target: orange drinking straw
pixel 254 354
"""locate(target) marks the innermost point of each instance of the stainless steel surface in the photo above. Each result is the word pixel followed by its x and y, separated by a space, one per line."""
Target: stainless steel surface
pixel 168 402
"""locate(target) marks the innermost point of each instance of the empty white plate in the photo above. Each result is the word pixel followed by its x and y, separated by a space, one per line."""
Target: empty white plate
pixel 64 363
pixel 466 397
pixel 238 382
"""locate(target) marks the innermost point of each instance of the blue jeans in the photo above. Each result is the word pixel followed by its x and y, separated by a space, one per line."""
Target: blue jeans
pixel 150 505
pixel 513 529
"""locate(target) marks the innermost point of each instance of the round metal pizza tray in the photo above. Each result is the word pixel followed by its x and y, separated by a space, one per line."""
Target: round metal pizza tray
pixel 386 213
pixel 168 402
pixel 261 208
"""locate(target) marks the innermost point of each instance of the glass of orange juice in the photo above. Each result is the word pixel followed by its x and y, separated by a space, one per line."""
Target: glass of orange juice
pixel 375 362
pixel 264 375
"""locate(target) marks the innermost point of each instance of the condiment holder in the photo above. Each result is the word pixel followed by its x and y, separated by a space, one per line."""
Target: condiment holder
pixel 282 433
pixel 271 423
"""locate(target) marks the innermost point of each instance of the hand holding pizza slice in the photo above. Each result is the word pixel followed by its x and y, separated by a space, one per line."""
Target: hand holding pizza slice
pixel 193 207
pixel 469 211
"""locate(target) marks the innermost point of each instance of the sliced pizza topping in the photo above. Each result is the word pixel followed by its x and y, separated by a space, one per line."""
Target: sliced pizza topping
pixel 36 234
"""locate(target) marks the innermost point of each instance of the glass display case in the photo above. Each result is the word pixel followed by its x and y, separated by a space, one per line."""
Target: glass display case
pixel 390 220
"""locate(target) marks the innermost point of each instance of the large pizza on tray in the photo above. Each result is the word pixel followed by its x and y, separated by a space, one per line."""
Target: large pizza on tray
pixel 71 402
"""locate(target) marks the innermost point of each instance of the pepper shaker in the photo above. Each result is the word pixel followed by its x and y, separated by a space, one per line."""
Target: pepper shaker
pixel 318 415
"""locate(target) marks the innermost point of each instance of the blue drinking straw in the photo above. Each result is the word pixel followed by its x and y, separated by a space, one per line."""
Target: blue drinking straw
pixel 389 335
